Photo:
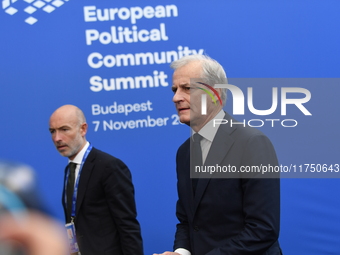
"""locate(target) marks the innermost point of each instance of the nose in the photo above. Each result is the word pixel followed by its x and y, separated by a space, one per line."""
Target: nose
pixel 178 97
pixel 56 137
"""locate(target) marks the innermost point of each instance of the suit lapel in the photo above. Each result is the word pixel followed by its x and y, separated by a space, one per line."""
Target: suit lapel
pixel 63 194
pixel 184 182
pixel 188 186
pixel 218 151
pixel 84 178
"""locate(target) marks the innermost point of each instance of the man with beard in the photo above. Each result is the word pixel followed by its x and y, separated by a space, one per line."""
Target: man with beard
pixel 98 194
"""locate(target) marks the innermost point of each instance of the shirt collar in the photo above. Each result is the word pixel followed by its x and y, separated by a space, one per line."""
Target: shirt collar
pixel 210 129
pixel 80 155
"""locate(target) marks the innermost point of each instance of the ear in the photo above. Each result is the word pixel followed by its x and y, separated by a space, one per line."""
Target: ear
pixel 83 129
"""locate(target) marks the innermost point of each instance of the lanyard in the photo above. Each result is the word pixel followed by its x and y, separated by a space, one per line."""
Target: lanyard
pixel 75 191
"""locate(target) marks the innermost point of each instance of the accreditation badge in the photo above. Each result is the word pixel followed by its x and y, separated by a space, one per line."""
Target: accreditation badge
pixel 72 239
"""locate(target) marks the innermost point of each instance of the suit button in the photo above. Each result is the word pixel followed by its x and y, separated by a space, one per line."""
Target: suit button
pixel 196 228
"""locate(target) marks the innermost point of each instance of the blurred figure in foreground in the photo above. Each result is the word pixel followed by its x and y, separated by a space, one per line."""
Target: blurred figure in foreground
pixel 25 228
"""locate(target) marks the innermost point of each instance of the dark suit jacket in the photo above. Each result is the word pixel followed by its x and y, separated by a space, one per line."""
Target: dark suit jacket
pixel 232 215
pixel 105 210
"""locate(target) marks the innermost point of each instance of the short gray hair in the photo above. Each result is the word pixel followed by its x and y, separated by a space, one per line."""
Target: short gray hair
pixel 212 71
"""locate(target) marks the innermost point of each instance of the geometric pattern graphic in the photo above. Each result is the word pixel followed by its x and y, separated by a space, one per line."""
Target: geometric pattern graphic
pixel 31 7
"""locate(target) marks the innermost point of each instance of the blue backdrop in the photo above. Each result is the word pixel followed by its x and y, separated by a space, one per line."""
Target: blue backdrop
pixel 116 55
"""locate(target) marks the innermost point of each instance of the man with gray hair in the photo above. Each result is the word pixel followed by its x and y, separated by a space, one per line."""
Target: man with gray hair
pixel 220 213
